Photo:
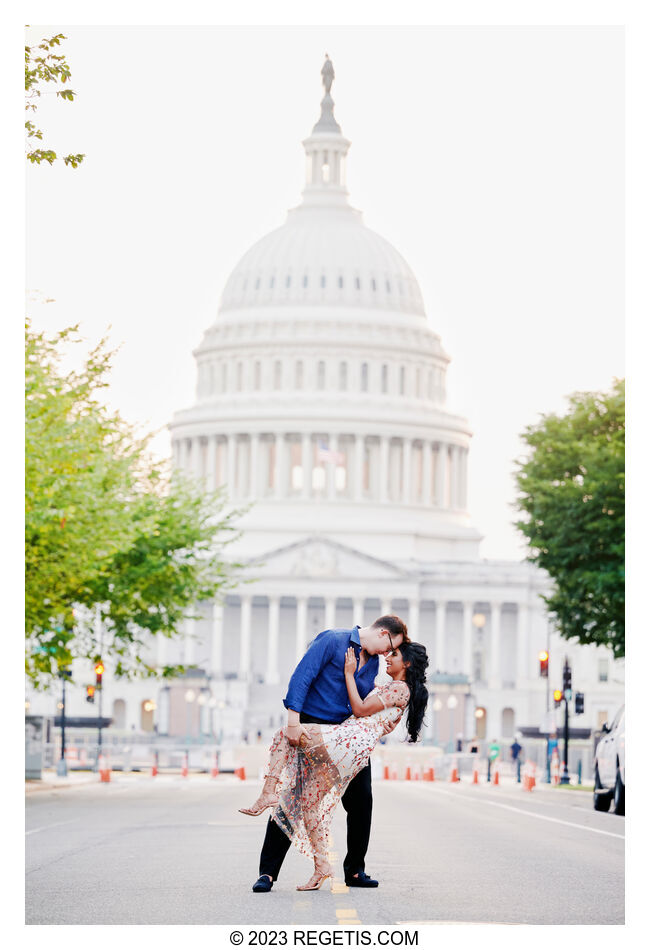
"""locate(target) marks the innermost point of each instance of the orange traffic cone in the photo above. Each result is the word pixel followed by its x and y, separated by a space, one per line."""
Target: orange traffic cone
pixel 417 775
pixel 475 773
pixel 386 772
pixel 104 769
pixel 240 772
pixel 532 776
pixel 154 767
pixel 454 777
pixel 185 765
pixel 407 776
pixel 495 778
pixel 215 768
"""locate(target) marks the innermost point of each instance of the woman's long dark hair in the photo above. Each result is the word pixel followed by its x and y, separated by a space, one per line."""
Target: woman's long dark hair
pixel 416 680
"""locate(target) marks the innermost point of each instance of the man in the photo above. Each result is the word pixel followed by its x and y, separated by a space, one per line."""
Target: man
pixel 317 693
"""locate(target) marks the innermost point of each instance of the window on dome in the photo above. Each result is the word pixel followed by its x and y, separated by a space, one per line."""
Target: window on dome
pixel 387 286
pixel 343 376
pixel 277 374
pixel 357 283
pixel 258 374
pixel 224 377
pixel 305 281
pixel 340 281
pixel 402 380
pixel 373 284
pixel 288 281
pixel 320 377
pixel 240 376
pixel 299 374
pixel 384 378
pixel 326 168
pixel 364 377
pixel 271 282
pixel 257 283
pixel 418 382
pixel 322 280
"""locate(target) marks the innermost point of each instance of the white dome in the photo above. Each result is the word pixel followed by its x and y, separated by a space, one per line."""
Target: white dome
pixel 323 256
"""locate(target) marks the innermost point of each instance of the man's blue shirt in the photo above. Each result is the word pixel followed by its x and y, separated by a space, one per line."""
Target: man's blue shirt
pixel 317 687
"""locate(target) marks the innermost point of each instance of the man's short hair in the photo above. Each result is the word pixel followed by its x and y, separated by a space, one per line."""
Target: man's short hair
pixel 395 626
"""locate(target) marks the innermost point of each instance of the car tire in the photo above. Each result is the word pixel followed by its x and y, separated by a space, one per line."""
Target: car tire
pixel 603 800
pixel 619 794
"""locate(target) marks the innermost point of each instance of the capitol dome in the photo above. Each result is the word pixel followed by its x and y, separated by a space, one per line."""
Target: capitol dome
pixel 323 256
pixel 321 386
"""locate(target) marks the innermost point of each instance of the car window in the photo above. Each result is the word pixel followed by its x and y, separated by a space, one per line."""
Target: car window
pixel 616 719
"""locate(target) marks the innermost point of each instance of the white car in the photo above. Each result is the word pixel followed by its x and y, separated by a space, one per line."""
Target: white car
pixel 609 766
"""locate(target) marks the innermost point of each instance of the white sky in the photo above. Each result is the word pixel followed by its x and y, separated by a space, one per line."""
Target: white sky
pixel 491 157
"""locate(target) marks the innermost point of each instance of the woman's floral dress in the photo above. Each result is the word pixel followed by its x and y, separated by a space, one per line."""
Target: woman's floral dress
pixel 313 778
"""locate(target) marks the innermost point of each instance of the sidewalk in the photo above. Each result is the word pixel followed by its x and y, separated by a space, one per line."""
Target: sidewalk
pixel 77 779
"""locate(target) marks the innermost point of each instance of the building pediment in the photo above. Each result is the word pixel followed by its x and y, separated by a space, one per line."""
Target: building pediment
pixel 317 557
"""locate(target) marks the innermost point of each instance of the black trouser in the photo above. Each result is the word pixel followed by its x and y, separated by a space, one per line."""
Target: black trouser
pixel 357 802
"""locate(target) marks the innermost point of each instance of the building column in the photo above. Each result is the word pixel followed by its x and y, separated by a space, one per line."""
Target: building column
pixel 463 479
pixel 466 661
pixel 306 464
pixel 495 646
pixel 386 610
pixel 216 653
pixel 184 455
pixel 426 473
pixel 189 645
pixel 407 451
pixel 254 479
pixel 332 444
pixel 441 475
pixel 359 449
pixel 330 613
pixel 278 479
pixel 358 611
pixel 245 636
pixel 383 469
pixel 197 452
pixel 440 659
pixel 414 619
pixel 272 674
pixel 453 477
pixel 211 473
pixel 523 657
pixel 231 453
pixel 301 626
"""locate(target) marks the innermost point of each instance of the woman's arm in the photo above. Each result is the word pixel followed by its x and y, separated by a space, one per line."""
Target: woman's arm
pixel 360 707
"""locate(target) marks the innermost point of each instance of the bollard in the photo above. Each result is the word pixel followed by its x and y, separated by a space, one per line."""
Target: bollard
pixel 580 771
pixel 215 768
pixel 518 770
pixel 489 768
pixel 185 766
pixel 154 767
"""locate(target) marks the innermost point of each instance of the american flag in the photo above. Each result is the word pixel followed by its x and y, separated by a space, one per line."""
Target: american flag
pixel 325 454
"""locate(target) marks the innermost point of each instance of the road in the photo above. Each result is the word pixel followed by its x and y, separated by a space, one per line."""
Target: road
pixel 169 850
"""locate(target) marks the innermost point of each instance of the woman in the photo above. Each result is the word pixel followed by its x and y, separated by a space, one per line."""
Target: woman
pixel 313 778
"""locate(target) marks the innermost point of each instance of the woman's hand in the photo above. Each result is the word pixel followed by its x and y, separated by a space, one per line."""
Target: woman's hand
pixel 350 665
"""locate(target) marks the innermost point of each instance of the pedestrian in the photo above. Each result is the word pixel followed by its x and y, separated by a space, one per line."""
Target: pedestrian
pixel 493 754
pixel 474 746
pixel 318 694
pixel 515 751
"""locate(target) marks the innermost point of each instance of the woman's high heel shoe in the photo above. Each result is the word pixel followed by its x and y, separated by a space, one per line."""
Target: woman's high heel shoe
pixel 318 877
pixel 262 803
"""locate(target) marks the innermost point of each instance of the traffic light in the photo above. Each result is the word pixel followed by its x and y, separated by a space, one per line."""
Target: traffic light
pixel 557 697
pixel 543 663
pixel 580 703
pixel 90 694
pixel 99 669
pixel 566 676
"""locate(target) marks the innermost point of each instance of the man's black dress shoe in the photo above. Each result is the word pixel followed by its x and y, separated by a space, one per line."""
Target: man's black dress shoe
pixel 362 880
pixel 263 883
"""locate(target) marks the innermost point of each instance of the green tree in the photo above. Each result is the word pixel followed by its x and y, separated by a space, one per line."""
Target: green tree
pixel 109 534
pixel 571 492
pixel 43 66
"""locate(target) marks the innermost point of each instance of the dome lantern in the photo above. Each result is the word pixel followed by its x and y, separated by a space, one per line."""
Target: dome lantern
pixel 326 149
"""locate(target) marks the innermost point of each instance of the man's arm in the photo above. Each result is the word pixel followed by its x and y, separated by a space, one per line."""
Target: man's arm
pixel 303 676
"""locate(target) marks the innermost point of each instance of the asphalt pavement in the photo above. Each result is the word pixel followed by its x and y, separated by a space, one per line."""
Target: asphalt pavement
pixel 172 850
